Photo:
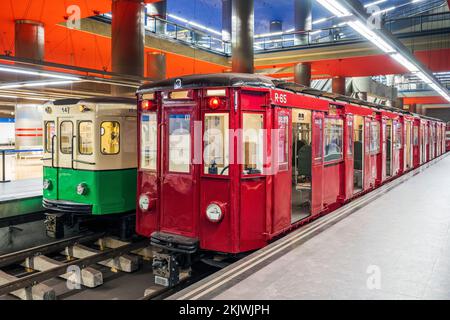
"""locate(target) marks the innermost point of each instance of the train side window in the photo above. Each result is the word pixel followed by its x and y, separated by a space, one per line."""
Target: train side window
pixel 179 143
pixel 85 137
pixel 49 133
pixel 333 139
pixel 66 135
pixel 398 136
pixel 216 144
pixel 148 141
pixel 110 137
pixel 374 137
pixel 318 139
pixel 283 142
pixel 252 146
pixel 416 136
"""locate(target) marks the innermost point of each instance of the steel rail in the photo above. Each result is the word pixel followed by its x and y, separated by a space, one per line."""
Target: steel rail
pixel 18 256
pixel 38 277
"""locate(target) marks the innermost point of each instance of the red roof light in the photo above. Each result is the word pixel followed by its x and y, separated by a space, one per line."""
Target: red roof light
pixel 214 103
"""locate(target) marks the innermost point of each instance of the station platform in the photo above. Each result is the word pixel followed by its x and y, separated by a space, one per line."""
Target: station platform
pixel 393 243
pixel 20 197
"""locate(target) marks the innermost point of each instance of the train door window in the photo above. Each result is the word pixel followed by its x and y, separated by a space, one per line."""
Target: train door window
pixel 216 144
pixel 358 155
pixel 408 144
pixel 253 124
pixel 283 142
pixel 66 129
pixel 374 137
pixel 49 133
pixel 397 135
pixel 110 137
pixel 179 142
pixel 416 136
pixel 333 139
pixel 301 164
pixel 85 137
pixel 148 141
pixel 388 136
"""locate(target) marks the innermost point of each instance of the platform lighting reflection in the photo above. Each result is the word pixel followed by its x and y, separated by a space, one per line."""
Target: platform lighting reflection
pixel 37 73
pixel 36 84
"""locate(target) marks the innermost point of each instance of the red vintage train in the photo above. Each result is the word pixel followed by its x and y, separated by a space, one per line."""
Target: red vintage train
pixel 228 162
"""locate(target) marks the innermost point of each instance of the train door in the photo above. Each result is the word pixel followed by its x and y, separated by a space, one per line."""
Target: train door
pixel 388 139
pixel 358 153
pixel 421 142
pixel 317 162
pixel 348 156
pixel 63 151
pixel 282 190
pixel 178 174
pixel 301 165
pixel 408 149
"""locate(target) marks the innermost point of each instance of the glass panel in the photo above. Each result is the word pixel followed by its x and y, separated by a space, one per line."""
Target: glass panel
pixel 374 137
pixel 318 139
pixel 110 137
pixel 216 144
pixel 416 135
pixel 148 141
pixel 283 141
pixel 333 139
pixel 85 137
pixel 252 143
pixel 179 142
pixel 350 137
pixel 49 133
pixel 66 137
pixel 398 135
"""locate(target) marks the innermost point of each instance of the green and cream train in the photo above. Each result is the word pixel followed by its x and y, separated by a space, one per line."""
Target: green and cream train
pixel 89 163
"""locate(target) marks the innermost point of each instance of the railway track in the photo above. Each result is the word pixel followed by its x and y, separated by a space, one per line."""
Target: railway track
pixel 78 260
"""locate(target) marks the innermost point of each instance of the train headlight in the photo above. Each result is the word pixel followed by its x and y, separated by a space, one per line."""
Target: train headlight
pixel 47 184
pixel 82 189
pixel 144 202
pixel 214 212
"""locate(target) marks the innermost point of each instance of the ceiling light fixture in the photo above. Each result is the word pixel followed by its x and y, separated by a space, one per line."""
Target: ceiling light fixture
pixel 37 73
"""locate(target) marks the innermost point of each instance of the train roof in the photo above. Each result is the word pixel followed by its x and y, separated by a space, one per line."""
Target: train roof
pixel 254 80
pixel 103 100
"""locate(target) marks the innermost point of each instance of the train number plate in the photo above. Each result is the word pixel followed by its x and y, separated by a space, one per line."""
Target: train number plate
pixel 162 281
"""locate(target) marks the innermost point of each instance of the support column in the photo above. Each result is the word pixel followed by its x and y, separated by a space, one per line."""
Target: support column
pixel 156 65
pixel 302 20
pixel 226 20
pixel 128 37
pixel 158 10
pixel 242 32
pixel 29 39
pixel 302 73
pixel 338 85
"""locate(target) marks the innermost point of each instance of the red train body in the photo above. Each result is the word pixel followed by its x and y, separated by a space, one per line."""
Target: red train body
pixel 310 153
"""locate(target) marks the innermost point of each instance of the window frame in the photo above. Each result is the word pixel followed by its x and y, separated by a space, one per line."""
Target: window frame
pixel 51 138
pixel 377 139
pixel 242 151
pixel 191 144
pixel 71 138
pixel 227 132
pixel 141 144
pixel 79 138
pixel 101 126
pixel 324 156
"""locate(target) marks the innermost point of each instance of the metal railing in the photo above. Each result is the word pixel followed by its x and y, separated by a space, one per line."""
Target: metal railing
pixel 327 36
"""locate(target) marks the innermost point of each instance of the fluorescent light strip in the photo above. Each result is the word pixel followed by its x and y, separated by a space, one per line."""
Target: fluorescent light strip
pixel 374 3
pixel 35 84
pixel 362 29
pixel 38 73
pixel 195 24
pixel 334 7
pixel 404 62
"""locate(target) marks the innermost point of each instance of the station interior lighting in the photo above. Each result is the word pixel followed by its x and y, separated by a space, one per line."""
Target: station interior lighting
pixel 359 26
pixel 35 84
pixel 38 73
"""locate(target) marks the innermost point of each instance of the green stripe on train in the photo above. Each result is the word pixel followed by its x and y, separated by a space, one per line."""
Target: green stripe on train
pixel 109 191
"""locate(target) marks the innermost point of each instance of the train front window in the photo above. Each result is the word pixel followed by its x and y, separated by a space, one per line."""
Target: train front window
pixel 216 144
pixel 333 139
pixel 66 129
pixel 49 133
pixel 85 137
pixel 252 146
pixel 148 141
pixel 179 142
pixel 110 137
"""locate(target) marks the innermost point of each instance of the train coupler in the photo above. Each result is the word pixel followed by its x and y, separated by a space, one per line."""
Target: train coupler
pixel 167 269
pixel 54 225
